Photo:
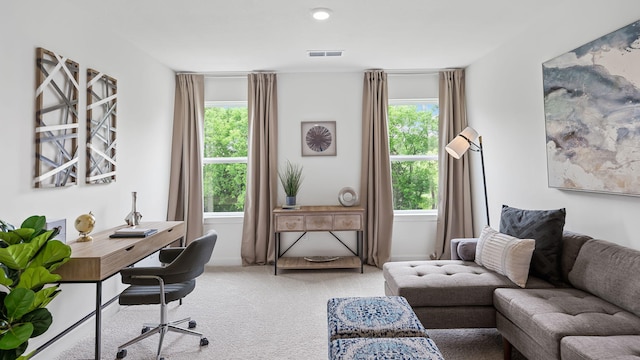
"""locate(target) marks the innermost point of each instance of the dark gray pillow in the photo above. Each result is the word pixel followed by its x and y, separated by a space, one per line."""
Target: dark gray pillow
pixel 545 227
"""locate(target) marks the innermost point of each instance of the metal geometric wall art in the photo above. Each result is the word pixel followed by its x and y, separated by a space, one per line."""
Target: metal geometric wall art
pixel 56 128
pixel 101 127
pixel 592 112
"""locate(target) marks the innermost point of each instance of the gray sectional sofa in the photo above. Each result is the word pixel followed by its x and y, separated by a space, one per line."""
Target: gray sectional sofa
pixel 593 313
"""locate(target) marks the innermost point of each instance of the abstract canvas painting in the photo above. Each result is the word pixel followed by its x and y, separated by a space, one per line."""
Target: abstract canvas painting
pixel 592 115
pixel 102 99
pixel 56 127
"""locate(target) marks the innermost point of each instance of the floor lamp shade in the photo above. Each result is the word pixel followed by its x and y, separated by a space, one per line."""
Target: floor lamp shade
pixel 461 143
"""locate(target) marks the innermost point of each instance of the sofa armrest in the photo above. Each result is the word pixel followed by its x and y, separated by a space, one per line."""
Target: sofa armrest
pixel 463 249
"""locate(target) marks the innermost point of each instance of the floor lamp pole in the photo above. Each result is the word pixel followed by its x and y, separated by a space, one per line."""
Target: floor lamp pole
pixel 484 181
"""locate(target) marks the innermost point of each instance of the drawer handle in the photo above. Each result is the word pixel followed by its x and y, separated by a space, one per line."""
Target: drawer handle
pixel 130 248
pixel 290 225
pixel 348 223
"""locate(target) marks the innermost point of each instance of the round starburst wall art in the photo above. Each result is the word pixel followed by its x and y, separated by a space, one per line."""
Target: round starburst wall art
pixel 318 138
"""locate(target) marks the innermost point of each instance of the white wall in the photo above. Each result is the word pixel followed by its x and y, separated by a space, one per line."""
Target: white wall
pixel 334 97
pixel 505 105
pixel 145 113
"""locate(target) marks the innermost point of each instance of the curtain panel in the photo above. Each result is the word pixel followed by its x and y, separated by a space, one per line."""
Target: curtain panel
pixel 375 175
pixel 455 218
pixel 185 183
pixel 258 245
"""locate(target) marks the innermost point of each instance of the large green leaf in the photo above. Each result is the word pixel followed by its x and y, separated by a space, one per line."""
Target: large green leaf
pixel 52 255
pixel 24 233
pixel 35 222
pixel 41 320
pixel 16 336
pixel 17 256
pixel 13 354
pixel 4 279
pixel 18 303
pixel 44 296
pixel 35 277
pixel 10 237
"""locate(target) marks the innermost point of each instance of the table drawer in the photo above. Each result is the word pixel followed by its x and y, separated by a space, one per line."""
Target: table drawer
pixel 347 222
pixel 290 223
pixel 319 222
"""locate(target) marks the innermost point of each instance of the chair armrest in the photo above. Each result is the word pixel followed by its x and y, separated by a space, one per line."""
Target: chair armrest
pixel 167 255
pixel 463 249
pixel 132 275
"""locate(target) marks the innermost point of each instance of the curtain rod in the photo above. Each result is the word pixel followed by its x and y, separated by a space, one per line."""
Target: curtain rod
pixel 243 75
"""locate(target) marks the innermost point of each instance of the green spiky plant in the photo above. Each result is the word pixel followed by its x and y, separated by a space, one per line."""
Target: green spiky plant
pixel 291 178
pixel 28 255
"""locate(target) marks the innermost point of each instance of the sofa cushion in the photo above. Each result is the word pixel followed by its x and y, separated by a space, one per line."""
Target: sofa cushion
pixel 571 244
pixel 600 347
pixel 548 315
pixel 505 255
pixel 545 226
pixel 446 282
pixel 609 271
pixel 467 250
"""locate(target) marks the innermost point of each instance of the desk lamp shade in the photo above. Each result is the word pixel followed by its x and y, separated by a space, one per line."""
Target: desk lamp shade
pixel 461 143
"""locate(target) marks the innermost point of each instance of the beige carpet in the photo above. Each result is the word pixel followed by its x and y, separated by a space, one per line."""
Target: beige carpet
pixel 248 313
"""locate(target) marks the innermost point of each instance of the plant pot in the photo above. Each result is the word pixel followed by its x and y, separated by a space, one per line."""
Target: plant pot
pixel 291 200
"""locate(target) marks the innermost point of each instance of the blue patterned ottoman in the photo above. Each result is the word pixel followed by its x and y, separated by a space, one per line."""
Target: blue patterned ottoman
pixel 370 317
pixel 406 348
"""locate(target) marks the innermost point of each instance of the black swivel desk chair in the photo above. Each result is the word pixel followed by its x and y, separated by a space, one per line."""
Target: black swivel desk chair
pixel 163 284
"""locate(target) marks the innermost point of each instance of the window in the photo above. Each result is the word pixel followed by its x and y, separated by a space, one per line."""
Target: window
pixel 413 148
pixel 224 173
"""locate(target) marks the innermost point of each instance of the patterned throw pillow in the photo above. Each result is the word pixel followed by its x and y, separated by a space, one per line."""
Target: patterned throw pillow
pixel 545 227
pixel 505 255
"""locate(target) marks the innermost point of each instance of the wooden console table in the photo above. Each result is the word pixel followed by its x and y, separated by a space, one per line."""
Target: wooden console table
pixel 319 218
pixel 97 260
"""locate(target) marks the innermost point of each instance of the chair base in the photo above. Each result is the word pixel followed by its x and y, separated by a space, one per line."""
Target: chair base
pixel 152 329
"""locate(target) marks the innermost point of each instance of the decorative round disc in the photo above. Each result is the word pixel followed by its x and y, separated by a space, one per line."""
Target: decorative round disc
pixel 348 196
pixel 318 138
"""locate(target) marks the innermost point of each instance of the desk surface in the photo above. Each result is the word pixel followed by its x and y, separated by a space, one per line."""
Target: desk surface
pixel 101 258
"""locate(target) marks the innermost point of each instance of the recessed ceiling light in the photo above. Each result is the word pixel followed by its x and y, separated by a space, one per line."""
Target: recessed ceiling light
pixel 321 13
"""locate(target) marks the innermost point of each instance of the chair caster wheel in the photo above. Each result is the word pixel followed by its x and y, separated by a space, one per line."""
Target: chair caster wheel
pixel 145 329
pixel 121 354
pixel 204 342
pixel 192 324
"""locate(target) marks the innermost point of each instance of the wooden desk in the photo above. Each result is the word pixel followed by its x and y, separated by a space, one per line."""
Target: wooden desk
pixel 319 218
pixel 98 260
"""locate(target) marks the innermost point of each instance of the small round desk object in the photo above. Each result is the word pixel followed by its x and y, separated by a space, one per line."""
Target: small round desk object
pixel 347 196
pixel 84 224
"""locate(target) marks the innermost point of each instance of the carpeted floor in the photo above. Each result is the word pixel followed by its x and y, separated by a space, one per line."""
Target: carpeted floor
pixel 248 313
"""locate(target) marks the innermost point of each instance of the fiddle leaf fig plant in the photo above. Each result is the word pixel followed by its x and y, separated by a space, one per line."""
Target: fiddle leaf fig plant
pixel 28 255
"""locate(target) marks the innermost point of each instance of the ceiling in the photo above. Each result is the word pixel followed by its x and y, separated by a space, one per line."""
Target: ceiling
pixel 245 35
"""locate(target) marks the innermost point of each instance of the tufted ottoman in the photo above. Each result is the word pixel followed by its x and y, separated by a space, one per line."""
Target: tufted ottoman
pixel 406 348
pixel 378 316
pixel 447 294
pixel 600 347
pixel 535 321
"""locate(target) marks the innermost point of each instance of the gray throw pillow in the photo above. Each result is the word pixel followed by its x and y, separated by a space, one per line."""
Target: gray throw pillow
pixel 545 227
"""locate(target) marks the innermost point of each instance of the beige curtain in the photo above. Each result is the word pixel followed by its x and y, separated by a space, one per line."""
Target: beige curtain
pixel 258 246
pixel 375 176
pixel 185 183
pixel 455 219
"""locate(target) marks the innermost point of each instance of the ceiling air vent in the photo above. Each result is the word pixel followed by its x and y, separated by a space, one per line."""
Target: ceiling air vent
pixel 324 53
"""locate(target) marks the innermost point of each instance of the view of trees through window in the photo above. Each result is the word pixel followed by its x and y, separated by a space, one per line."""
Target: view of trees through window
pixel 225 157
pixel 413 142
pixel 413 147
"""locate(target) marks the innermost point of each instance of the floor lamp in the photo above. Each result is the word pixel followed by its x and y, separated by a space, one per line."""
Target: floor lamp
pixel 463 142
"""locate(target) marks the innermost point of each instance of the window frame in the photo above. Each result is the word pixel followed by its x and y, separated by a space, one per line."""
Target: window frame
pixel 223 160
pixel 398 158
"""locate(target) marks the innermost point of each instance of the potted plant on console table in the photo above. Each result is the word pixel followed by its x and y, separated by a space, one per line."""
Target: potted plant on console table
pixel 28 255
pixel 291 179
